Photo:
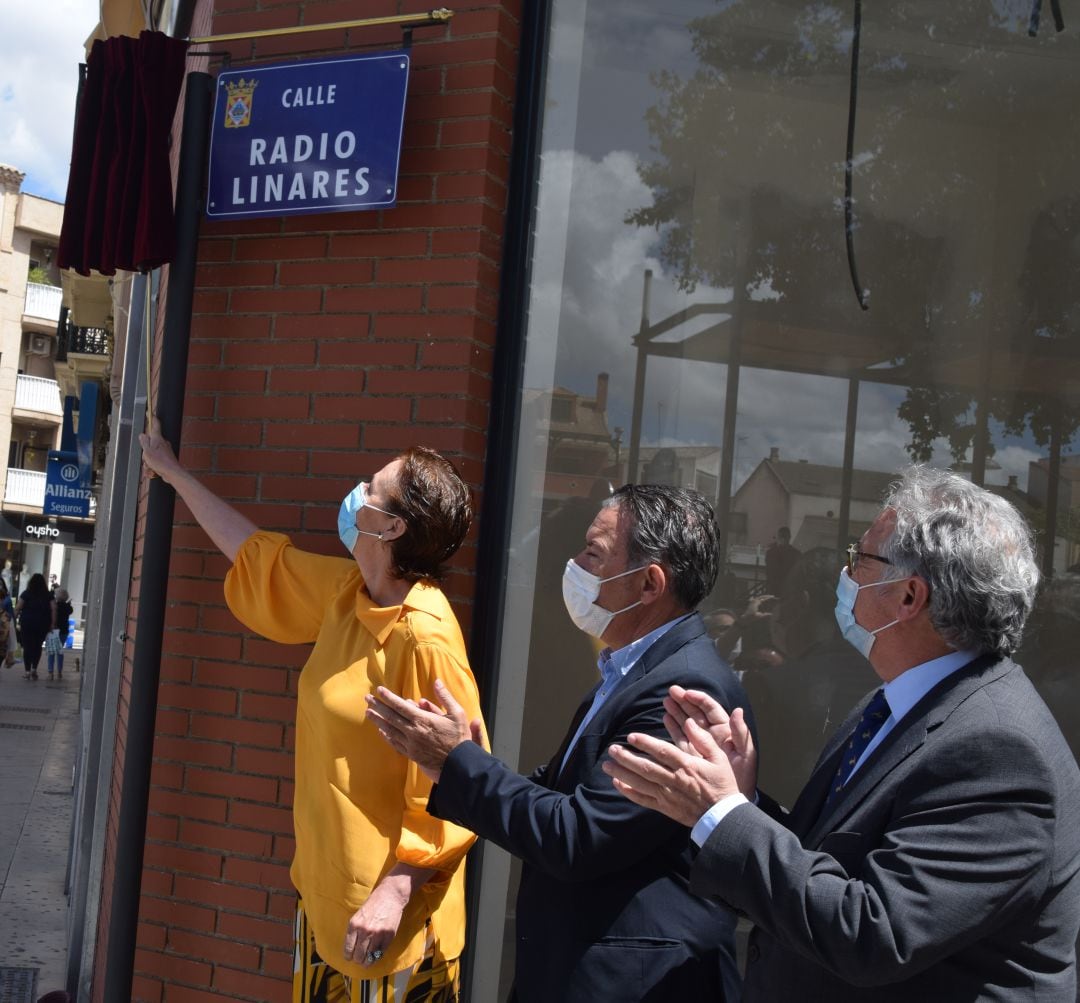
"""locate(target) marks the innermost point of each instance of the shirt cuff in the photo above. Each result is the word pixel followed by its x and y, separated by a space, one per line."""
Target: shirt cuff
pixel 714 816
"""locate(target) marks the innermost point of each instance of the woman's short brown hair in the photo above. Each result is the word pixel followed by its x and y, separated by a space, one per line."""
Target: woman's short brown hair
pixel 435 503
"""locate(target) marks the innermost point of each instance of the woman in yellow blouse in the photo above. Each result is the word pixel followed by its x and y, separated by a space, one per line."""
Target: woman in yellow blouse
pixel 381 911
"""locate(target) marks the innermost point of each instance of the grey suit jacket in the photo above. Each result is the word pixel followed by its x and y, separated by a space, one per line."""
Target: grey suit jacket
pixel 948 870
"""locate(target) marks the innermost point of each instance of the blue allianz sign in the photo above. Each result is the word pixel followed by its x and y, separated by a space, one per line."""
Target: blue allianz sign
pixel 314 136
pixel 64 493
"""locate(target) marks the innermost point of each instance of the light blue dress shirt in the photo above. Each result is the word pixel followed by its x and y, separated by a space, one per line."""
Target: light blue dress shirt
pixel 613 666
pixel 901 694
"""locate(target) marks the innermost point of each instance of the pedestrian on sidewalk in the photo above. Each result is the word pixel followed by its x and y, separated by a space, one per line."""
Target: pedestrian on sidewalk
pixel 37 616
pixel 7 627
pixel 54 644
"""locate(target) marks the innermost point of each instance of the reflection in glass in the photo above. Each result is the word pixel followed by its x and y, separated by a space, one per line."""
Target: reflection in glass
pixel 692 321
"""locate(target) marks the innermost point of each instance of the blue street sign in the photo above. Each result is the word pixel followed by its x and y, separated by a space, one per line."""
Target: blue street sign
pixel 63 493
pixel 313 136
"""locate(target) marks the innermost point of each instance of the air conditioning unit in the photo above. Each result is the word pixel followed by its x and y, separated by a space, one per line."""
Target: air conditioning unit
pixel 39 344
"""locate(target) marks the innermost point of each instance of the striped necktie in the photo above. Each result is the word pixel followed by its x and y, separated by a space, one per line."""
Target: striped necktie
pixel 873 717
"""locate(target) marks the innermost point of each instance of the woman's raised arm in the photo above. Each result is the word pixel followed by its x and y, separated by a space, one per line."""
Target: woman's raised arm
pixel 226 527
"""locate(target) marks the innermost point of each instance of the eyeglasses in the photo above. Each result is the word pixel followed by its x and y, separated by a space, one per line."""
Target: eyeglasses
pixel 854 555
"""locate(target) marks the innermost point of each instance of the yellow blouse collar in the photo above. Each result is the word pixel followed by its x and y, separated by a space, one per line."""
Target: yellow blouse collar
pixel 380 620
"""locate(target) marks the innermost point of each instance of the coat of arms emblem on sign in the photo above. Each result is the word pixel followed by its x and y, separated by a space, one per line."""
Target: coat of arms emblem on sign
pixel 238 106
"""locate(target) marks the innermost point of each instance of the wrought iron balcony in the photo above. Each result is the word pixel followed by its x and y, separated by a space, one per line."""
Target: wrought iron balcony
pixel 79 340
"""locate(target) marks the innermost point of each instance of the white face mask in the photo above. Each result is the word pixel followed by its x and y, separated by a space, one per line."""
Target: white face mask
pixel 847 591
pixel 580 589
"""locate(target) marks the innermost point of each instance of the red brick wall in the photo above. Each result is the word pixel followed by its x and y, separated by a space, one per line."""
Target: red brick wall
pixel 321 346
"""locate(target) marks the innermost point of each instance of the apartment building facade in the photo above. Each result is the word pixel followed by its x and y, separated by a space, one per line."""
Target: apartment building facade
pixel 44 359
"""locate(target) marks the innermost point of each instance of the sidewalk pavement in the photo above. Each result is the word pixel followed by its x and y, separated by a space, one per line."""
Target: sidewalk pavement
pixel 38 735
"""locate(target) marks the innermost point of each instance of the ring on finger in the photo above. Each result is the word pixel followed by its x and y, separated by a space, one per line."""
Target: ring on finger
pixel 372 956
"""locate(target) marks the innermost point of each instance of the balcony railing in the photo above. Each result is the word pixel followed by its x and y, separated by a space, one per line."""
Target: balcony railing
pixel 25 487
pixel 43 301
pixel 34 393
pixel 80 340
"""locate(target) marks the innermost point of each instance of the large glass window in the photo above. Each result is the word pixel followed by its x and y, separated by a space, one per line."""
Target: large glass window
pixel 708 309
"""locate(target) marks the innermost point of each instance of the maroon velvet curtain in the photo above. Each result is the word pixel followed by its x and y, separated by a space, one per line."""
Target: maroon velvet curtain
pixel 119 207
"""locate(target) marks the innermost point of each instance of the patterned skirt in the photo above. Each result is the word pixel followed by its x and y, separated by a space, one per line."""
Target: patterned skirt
pixel 314 981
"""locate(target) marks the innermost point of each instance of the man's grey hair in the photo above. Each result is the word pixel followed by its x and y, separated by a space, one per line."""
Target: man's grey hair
pixel 675 528
pixel 973 549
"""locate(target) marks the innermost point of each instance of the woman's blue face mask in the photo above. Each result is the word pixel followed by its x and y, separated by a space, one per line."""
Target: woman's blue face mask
pixel 348 532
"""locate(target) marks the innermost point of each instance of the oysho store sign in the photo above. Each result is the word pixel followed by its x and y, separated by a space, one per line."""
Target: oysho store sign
pixel 305 137
pixel 42 532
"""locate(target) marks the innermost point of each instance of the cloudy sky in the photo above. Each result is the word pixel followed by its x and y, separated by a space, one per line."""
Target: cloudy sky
pixel 41 46
pixel 587 286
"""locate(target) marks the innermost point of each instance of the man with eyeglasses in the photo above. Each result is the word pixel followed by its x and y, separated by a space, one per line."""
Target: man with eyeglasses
pixel 934 853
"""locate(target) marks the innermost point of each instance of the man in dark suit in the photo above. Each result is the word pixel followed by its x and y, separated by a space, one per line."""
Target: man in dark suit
pixel 604 909
pixel 934 853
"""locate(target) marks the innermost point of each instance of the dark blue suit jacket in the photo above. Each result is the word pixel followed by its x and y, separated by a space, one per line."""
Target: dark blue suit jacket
pixel 604 908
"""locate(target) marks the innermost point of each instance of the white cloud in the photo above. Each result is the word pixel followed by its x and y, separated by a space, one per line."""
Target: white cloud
pixel 596 293
pixel 41 46
pixel 1013 460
